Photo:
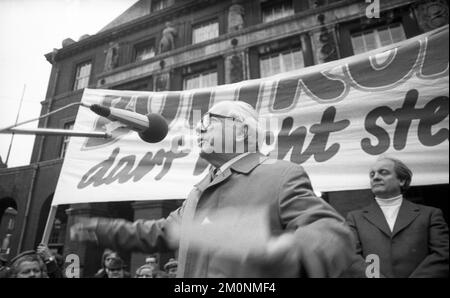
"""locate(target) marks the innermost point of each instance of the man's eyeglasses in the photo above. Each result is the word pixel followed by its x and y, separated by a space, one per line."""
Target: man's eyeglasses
pixel 206 119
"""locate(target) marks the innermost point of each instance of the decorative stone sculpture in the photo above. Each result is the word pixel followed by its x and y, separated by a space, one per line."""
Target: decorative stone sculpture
pixel 432 14
pixel 162 82
pixel 112 56
pixel 235 16
pixel 326 50
pixel 167 41
pixel 236 71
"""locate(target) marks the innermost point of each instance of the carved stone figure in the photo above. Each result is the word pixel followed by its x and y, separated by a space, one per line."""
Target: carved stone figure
pixel 236 69
pixel 326 46
pixel 235 16
pixel 162 82
pixel 112 56
pixel 432 14
pixel 167 41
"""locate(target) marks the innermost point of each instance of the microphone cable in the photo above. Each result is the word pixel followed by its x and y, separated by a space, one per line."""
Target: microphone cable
pixel 45 115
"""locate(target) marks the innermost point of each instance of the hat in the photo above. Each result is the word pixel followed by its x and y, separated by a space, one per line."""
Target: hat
pixel 115 263
pixel 171 264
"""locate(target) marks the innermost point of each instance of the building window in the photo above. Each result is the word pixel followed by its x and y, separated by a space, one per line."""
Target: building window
pixel 376 38
pixel 82 75
pixel 159 5
pixel 66 139
pixel 145 50
pixel 205 31
pixel 274 10
pixel 276 63
pixel 200 80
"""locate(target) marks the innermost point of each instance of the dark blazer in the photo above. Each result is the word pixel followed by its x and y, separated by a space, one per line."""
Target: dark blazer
pixel 253 182
pixel 417 246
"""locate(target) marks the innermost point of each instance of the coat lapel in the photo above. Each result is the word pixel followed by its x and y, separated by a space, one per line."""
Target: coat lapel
pixel 374 214
pixel 244 165
pixel 407 213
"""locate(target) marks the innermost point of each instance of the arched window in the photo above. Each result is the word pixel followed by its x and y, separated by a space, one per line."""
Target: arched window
pixel 8 214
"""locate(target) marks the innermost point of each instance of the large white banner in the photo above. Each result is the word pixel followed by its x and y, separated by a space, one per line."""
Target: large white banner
pixel 334 119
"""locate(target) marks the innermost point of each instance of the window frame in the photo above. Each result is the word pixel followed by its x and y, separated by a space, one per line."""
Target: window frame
pixel 377 37
pixel 271 5
pixel 201 74
pixel 279 53
pixel 78 66
pixel 142 44
pixel 153 2
pixel 197 25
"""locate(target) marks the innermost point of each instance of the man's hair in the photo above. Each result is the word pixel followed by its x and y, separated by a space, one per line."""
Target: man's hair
pixel 249 117
pixel 401 170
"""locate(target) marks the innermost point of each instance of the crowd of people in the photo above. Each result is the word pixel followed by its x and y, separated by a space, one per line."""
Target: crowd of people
pixel 43 263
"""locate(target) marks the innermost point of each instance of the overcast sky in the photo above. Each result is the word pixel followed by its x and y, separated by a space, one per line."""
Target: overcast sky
pixel 28 30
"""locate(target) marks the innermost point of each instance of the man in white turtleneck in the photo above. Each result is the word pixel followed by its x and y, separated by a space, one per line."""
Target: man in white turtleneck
pixel 408 239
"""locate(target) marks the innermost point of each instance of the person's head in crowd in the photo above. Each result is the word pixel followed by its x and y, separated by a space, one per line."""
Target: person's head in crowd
pixel 145 271
pixel 114 268
pixel 27 265
pixel 108 256
pixel 171 268
pixel 228 129
pixel 389 177
pixel 152 262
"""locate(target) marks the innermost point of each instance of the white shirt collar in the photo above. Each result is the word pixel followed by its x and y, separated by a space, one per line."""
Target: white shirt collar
pixel 397 200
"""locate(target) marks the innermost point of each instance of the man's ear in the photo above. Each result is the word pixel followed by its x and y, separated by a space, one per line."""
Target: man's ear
pixel 402 183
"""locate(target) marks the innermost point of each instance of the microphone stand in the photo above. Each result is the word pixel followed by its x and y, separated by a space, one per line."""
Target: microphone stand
pixel 47 132
pixel 55 132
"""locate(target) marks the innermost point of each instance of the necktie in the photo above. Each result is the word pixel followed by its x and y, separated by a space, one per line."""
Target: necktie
pixel 214 172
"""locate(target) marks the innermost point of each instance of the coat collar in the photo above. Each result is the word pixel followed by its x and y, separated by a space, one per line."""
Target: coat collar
pixel 244 165
pixel 407 213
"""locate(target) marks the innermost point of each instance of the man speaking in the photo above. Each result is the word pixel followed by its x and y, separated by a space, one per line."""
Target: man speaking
pixel 251 216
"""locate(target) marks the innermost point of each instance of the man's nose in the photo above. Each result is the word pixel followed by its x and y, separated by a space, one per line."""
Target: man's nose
pixel 376 177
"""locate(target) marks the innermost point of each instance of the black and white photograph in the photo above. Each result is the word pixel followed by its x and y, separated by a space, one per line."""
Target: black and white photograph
pixel 239 142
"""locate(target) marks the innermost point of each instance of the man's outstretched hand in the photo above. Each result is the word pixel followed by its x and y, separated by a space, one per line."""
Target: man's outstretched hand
pixel 84 230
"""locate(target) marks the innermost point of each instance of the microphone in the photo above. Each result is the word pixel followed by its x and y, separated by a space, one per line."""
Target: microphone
pixel 152 128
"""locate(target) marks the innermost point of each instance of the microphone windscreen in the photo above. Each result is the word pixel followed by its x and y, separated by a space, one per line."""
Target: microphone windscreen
pixel 157 130
pixel 100 110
